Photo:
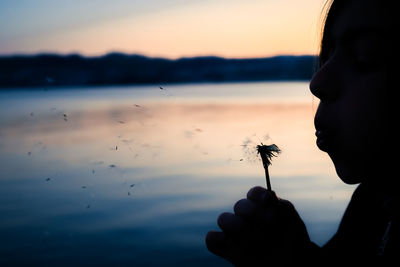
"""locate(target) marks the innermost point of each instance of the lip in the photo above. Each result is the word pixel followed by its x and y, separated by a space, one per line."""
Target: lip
pixel 322 140
pixel 323 130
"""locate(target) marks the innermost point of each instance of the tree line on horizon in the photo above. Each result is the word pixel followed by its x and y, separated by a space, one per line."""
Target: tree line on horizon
pixel 122 69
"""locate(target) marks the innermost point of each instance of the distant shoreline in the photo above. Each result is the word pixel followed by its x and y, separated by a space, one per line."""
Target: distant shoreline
pixel 116 69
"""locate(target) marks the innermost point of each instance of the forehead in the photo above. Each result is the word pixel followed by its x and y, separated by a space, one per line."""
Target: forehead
pixel 361 16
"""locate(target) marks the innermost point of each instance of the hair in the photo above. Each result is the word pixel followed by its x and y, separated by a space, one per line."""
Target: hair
pixel 331 10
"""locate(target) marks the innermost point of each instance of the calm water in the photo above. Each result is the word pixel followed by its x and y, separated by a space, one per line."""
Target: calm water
pixel 138 175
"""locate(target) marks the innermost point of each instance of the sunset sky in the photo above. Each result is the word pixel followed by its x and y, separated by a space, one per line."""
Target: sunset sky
pixel 161 28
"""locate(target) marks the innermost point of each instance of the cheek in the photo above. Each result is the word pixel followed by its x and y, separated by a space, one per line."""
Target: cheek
pixel 365 109
pixel 362 119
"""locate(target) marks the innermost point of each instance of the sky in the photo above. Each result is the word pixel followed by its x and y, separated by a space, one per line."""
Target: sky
pixel 161 28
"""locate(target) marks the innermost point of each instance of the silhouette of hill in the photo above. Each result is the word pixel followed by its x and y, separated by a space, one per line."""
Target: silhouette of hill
pixel 117 68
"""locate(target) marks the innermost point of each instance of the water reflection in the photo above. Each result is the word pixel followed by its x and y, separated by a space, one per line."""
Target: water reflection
pixel 120 181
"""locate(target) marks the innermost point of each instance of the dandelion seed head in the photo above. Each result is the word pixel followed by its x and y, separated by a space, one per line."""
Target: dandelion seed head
pixel 267 152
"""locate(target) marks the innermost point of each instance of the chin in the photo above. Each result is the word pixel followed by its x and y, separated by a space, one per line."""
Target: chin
pixel 347 171
pixel 348 177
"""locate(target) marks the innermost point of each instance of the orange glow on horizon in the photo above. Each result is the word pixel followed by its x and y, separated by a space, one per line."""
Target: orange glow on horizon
pixel 239 30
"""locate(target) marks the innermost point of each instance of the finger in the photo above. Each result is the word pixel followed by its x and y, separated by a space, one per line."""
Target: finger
pixel 216 243
pixel 270 197
pixel 256 213
pixel 286 203
pixel 230 223
pixel 287 210
pixel 261 195
pixel 257 194
pixel 246 208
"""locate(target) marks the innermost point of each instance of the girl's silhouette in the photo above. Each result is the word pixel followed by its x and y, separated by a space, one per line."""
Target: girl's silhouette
pixel 355 124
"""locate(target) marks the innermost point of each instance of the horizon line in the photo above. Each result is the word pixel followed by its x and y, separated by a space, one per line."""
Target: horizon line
pixel 29 54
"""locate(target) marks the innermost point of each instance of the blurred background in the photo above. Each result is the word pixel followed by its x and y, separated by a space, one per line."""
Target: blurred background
pixel 127 127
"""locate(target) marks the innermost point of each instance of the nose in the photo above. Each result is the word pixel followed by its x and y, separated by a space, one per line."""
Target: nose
pixel 325 84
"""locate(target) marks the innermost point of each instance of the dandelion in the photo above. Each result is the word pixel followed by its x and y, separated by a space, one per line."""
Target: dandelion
pixel 254 151
pixel 267 152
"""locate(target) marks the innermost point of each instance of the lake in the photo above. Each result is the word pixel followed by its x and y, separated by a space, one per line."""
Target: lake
pixel 137 175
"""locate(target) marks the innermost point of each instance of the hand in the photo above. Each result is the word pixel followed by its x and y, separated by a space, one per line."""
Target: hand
pixel 264 229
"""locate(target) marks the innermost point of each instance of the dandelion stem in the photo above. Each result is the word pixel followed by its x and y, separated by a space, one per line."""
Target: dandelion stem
pixel 268 181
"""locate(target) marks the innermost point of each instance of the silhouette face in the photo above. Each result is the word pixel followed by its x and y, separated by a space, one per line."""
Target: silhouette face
pixel 351 119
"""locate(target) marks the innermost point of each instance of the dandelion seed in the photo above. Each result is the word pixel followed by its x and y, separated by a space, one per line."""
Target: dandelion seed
pixel 249 150
pixel 83 187
pixel 230 160
pixel 136 105
pixel 129 193
pixel 112 166
pixel 88 206
pixel 48 179
pixel 29 153
pixel 122 122
pixel 32 114
pixel 161 88
pixel 93 171
pixel 132 185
